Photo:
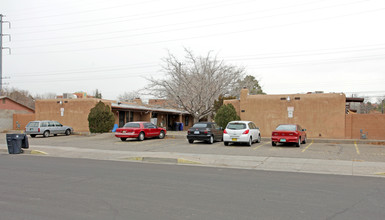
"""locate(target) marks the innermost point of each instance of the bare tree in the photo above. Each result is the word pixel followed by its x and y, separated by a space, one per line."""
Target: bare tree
pixel 129 96
pixel 195 83
pixel 20 96
pixel 49 95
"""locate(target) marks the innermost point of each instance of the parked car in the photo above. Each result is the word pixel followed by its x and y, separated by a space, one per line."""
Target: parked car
pixel 46 128
pixel 241 132
pixel 205 131
pixel 140 130
pixel 289 133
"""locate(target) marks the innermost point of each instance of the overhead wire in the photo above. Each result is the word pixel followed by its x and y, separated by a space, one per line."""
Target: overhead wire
pixel 210 35
pixel 177 29
pixel 134 17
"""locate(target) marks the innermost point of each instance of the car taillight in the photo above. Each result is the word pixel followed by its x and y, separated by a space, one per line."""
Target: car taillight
pixel 224 131
pixel 38 130
pixel 246 132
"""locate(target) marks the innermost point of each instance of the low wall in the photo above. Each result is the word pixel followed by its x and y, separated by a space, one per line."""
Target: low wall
pixel 372 125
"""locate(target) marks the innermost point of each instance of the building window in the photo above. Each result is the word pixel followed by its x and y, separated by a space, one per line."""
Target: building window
pixel 186 119
pixel 3 101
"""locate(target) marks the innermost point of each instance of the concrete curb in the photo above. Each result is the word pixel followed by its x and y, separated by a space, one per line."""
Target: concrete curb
pixel 27 151
pixel 162 160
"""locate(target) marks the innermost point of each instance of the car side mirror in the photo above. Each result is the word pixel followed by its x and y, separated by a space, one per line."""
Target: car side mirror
pixel 220 128
pixel 257 128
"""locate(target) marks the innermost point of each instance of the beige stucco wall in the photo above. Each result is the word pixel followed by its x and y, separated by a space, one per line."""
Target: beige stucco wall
pixel 75 111
pixel 21 120
pixel 373 125
pixel 323 115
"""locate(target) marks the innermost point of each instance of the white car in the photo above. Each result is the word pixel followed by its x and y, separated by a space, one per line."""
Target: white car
pixel 241 132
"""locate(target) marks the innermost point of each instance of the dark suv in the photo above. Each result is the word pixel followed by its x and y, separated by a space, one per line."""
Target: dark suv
pixel 205 131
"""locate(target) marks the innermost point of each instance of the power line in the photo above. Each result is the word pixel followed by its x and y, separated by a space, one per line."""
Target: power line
pixel 132 17
pixel 173 11
pixel 177 29
pixel 211 35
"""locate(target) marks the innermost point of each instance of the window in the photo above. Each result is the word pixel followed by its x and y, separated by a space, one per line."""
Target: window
pixel 132 125
pixel 200 125
pixel 57 124
pixel 236 126
pixel 149 125
pixel 33 124
pixel 3 101
pixel 44 124
pixel 286 128
pixel 51 124
pixel 186 119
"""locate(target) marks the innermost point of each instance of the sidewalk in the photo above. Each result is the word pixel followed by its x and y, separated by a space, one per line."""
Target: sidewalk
pixel 353 168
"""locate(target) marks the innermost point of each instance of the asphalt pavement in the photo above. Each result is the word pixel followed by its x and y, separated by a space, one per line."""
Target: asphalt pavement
pixel 228 158
pixel 46 188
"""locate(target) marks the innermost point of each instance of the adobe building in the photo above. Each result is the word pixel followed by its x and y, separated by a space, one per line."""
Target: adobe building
pixel 323 115
pixel 8 109
pixel 74 112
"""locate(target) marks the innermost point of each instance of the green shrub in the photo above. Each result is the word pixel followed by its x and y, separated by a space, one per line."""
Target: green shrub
pixel 225 114
pixel 101 119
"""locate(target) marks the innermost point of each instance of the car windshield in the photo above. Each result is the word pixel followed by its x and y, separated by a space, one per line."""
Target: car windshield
pixel 286 128
pixel 132 125
pixel 33 124
pixel 236 126
pixel 200 125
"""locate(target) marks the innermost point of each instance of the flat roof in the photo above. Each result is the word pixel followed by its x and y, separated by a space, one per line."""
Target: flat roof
pixel 147 108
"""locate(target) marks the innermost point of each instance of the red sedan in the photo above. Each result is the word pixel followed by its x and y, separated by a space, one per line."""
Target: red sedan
pixel 140 130
pixel 289 133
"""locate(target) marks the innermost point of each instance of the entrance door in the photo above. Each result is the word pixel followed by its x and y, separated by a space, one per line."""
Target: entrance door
pixel 121 118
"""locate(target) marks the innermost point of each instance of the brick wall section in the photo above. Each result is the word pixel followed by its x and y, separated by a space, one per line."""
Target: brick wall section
pixel 372 124
pixel 8 104
pixel 75 111
pixel 323 115
pixel 235 103
pixel 22 120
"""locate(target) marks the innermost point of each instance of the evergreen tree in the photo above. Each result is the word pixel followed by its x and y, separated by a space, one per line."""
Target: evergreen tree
pixel 225 114
pixel 101 119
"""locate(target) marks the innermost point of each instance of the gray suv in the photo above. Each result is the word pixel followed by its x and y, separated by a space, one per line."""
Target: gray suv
pixel 47 128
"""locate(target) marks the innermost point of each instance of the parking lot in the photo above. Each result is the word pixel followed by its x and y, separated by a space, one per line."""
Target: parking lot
pixel 178 143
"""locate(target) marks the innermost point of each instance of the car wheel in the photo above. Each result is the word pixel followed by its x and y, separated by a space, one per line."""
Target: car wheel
pixel 250 142
pixel 299 143
pixel 190 141
pixel 33 135
pixel 305 140
pixel 259 139
pixel 141 136
pixel 273 144
pixel 161 135
pixel 123 139
pixel 211 141
pixel 226 143
pixel 46 134
pixel 68 132
pixel 55 135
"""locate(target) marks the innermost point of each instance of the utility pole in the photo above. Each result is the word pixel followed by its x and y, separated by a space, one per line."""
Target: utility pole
pixel 1 49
